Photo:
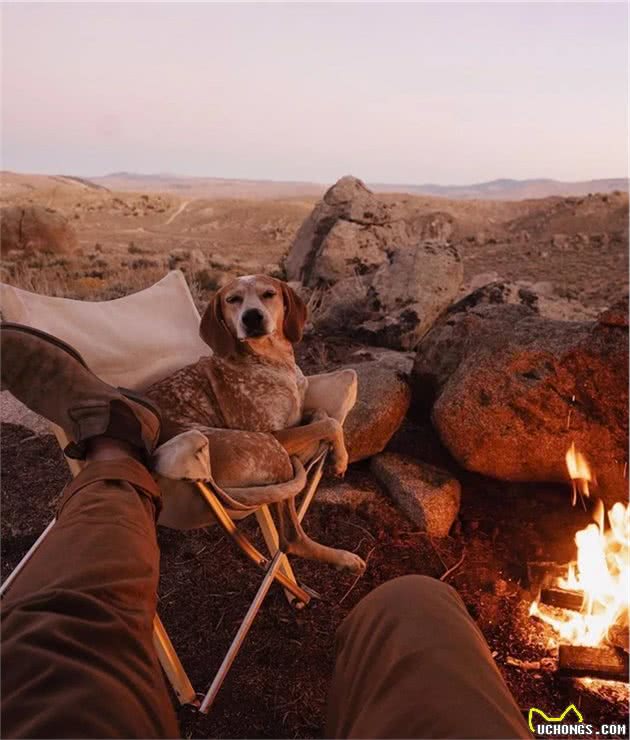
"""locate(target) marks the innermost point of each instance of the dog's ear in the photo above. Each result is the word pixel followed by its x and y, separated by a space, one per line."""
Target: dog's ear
pixel 294 314
pixel 214 331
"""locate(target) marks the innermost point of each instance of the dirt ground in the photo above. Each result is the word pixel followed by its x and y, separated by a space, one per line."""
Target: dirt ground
pixel 279 682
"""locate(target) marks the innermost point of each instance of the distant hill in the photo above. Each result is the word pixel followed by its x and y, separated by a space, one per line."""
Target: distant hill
pixel 216 187
pixel 207 187
pixel 506 189
pixel 190 188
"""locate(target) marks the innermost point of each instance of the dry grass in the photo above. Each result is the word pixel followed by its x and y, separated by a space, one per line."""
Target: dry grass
pixel 82 280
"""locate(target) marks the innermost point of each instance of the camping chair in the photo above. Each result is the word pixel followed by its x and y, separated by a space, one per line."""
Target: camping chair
pixel 111 336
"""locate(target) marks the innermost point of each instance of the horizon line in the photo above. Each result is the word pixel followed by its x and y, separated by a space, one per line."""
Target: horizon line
pixel 129 173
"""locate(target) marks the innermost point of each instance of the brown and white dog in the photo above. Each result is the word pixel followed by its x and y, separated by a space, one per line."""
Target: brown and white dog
pixel 237 417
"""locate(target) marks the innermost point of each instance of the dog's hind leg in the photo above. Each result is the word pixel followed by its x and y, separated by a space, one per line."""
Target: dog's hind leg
pixel 294 541
pixel 247 469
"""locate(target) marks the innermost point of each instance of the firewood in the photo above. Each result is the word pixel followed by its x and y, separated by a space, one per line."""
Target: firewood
pixel 562 598
pixel 592 662
pixel 543 572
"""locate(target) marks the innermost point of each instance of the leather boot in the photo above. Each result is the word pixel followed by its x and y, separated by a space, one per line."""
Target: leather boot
pixel 52 379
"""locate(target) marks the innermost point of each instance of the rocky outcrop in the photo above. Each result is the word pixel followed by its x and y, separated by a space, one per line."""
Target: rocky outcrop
pixel 428 496
pixel 540 296
pixel 36 229
pixel 389 273
pixel 509 391
pixel 382 402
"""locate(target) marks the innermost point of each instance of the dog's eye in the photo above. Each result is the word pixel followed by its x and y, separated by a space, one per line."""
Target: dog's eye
pixel 234 299
pixel 269 294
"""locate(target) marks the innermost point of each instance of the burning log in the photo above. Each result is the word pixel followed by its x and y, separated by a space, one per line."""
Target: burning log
pixel 541 572
pixel 591 662
pixel 562 598
pixel 593 596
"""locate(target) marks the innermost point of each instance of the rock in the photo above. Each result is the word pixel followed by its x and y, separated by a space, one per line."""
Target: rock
pixel 510 391
pixel 343 305
pixel 382 402
pixel 561 241
pixel 343 493
pixel 537 296
pixel 436 226
pixel 427 495
pixel 390 274
pixel 400 361
pixel 479 281
pixel 36 229
pixel 348 200
pixel 410 291
pixel 616 315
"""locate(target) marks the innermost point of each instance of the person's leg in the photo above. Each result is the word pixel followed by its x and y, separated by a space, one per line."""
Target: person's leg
pixel 411 663
pixel 77 652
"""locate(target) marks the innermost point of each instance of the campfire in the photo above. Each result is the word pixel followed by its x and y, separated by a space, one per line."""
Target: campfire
pixel 590 600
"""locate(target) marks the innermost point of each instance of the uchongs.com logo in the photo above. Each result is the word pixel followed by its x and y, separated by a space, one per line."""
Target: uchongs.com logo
pixel 571 724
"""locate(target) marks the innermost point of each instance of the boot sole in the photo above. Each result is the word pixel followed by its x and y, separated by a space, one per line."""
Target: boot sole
pixel 127 392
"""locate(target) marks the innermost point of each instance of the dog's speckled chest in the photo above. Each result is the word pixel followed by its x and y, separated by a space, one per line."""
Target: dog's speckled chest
pixel 256 394
pixel 250 393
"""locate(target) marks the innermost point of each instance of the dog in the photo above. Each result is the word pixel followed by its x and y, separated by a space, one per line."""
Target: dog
pixel 236 417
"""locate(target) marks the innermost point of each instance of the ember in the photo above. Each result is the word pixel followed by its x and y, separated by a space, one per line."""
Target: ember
pixel 600 573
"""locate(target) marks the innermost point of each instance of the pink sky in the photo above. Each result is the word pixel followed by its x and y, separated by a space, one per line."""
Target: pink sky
pixel 402 93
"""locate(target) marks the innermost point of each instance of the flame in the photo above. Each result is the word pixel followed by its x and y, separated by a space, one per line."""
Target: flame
pixel 579 472
pixel 601 571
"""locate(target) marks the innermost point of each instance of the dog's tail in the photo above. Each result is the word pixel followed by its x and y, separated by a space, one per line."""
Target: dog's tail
pixel 253 497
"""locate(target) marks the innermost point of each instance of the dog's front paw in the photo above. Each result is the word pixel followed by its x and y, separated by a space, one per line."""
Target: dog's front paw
pixel 350 561
pixel 340 464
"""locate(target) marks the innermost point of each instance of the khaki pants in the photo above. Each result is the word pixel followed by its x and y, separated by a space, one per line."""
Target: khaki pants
pixel 411 663
pixel 78 658
pixel 77 651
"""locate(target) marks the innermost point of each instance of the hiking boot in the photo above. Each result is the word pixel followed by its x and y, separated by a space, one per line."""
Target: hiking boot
pixel 52 379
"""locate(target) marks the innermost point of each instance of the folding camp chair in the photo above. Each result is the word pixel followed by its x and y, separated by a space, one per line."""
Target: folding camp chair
pixel 133 342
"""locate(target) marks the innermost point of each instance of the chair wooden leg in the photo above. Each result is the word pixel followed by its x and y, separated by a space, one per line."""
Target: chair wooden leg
pixel 164 647
pixel 171 665
pixel 20 566
pixel 273 573
pixel 246 546
pixel 307 498
pixel 270 535
pixel 246 625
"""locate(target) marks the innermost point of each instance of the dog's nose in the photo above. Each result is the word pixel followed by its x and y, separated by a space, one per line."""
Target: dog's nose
pixel 253 319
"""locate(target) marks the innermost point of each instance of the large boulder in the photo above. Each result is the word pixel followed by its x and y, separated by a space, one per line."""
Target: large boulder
pixel 36 229
pixel 382 402
pixel 427 495
pixel 509 390
pixel 347 204
pixel 388 272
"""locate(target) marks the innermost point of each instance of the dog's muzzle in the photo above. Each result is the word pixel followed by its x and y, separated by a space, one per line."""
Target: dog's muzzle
pixel 254 322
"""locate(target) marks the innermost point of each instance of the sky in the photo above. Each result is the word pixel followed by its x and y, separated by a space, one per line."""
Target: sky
pixel 392 93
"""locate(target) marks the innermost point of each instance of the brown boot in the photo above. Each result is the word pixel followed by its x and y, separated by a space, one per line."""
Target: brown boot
pixel 52 379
